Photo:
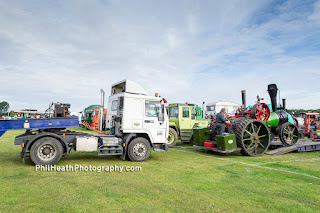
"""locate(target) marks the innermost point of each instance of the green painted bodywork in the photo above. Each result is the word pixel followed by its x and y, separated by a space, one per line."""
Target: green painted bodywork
pixel 273 120
pixel 200 135
pixel 226 142
pixel 185 124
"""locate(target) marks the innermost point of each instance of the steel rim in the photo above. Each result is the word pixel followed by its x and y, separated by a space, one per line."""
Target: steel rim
pixel 139 150
pixel 170 138
pixel 255 138
pixel 47 152
pixel 290 134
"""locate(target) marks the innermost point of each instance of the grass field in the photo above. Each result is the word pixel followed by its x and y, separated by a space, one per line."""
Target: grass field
pixel 180 180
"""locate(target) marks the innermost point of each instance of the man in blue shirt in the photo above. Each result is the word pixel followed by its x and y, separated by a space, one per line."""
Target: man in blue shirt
pixel 221 122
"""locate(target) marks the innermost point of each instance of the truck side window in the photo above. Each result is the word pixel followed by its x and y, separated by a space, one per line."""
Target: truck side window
pixel 114 105
pixel 193 113
pixel 185 112
pixel 152 108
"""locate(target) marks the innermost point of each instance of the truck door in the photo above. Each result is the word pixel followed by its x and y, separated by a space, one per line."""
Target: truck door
pixel 185 117
pixel 151 122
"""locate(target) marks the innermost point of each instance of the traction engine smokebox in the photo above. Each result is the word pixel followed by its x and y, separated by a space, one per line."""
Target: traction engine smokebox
pixel 226 142
pixel 87 144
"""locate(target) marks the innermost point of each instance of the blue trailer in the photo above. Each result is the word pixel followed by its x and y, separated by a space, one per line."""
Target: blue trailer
pixel 42 123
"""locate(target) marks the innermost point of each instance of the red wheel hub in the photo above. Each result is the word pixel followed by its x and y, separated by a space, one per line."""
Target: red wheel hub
pixel 255 138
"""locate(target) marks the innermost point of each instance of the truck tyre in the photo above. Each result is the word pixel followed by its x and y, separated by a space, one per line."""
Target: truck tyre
pixel 139 149
pixel 46 151
pixel 172 138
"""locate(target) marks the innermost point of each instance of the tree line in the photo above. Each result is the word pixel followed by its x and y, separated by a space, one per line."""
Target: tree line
pixel 298 111
pixel 4 108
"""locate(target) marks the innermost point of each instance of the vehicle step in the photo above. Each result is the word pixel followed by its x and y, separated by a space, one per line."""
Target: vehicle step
pixel 185 134
pixel 110 149
pixel 99 154
pixel 118 150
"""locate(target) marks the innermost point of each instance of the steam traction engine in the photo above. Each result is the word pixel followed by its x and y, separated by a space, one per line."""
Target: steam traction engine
pixel 257 125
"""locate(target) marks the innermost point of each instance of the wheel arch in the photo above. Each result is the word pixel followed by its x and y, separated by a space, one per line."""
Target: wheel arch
pixel 175 129
pixel 127 138
pixel 52 135
pixel 131 136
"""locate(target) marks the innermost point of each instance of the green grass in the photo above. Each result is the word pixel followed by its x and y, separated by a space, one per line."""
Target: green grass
pixel 178 180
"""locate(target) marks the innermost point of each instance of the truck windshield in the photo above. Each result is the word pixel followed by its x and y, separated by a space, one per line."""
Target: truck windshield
pixel 173 111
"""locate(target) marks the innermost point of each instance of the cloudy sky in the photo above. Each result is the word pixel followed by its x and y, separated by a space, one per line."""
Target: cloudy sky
pixel 66 51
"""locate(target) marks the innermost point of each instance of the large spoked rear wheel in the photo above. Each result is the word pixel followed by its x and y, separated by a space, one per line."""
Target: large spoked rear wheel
pixel 139 149
pixel 253 137
pixel 46 151
pixel 288 134
pixel 172 138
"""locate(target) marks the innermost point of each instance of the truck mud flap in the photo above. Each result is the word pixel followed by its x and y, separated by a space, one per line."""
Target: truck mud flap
pixel 160 147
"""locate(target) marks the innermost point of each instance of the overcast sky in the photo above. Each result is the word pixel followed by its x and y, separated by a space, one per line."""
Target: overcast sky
pixel 66 51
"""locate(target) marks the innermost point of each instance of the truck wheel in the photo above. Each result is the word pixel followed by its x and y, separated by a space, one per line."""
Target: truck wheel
pixel 173 137
pixel 139 149
pixel 46 151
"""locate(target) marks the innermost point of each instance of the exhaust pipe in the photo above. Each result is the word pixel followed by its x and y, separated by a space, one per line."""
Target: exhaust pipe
pixel 243 93
pixel 203 110
pixel 101 112
pixel 273 90
pixel 284 104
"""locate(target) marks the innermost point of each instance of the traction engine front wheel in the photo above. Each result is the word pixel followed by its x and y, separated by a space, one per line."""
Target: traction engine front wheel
pixel 288 134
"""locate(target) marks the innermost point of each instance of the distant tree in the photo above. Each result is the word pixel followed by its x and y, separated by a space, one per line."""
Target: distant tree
pixel 298 111
pixel 11 113
pixel 4 106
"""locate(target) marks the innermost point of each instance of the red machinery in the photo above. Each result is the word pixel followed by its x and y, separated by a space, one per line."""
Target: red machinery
pixel 308 119
pixel 259 111
pixel 95 120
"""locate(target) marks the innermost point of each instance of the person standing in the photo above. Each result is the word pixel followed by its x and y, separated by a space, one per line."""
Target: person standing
pixel 221 122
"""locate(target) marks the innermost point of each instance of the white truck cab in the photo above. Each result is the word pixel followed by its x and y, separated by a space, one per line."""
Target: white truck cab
pixel 132 113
